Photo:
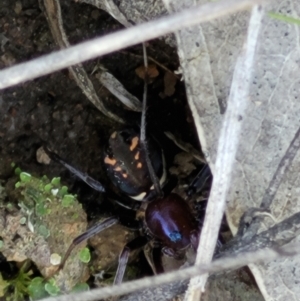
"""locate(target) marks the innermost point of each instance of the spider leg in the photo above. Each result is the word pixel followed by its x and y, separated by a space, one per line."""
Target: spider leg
pixel 153 255
pixel 143 139
pixel 199 181
pixel 88 234
pixel 135 244
pixel 157 262
pixel 194 238
pixel 81 175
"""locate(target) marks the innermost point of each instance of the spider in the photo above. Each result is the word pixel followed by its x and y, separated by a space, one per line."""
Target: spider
pixel 168 219
pixel 136 167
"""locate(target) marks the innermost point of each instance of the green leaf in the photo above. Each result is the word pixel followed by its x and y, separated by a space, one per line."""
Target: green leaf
pixel 48 187
pixel 40 209
pixel 284 18
pixel 18 170
pixel 44 179
pixel 25 177
pixel 23 220
pixel 85 255
pixel 63 190
pixel 67 200
pixel 80 287
pixel 32 193
pixel 55 181
pixel 52 288
pixel 18 184
pixel 43 230
pixel 37 289
pixel 3 286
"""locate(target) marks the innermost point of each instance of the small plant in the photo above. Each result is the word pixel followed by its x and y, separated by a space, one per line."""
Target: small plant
pixel 3 286
pixel 23 285
pixel 37 288
pixel 85 255
pixel 46 208
pixel 16 289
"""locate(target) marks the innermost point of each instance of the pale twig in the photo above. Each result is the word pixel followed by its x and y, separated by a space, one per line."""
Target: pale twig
pixel 119 40
pixel 227 148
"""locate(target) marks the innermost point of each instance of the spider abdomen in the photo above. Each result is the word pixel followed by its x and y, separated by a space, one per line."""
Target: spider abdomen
pixel 126 166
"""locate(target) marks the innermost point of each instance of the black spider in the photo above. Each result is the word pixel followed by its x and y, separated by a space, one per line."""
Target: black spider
pixel 167 219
